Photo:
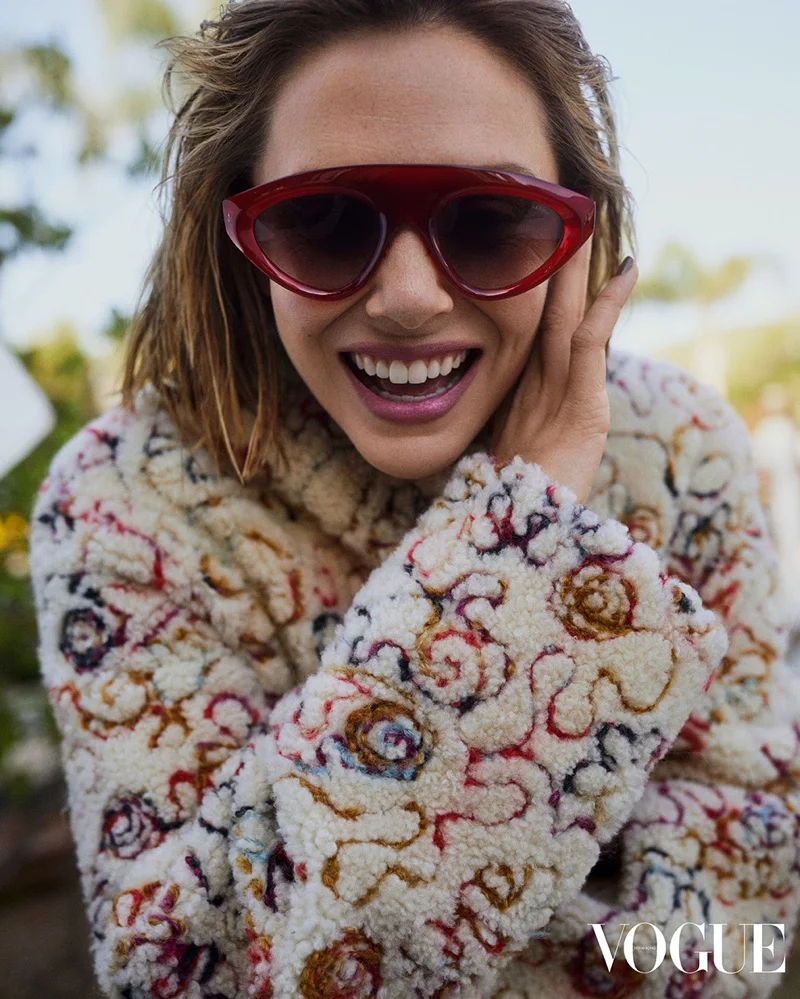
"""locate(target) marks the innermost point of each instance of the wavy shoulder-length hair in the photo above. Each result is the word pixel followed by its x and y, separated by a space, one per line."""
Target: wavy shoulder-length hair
pixel 203 332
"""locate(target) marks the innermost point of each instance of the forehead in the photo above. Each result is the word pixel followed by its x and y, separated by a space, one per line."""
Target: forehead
pixel 433 95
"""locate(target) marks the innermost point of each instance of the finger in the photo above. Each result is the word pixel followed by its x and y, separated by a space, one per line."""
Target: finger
pixel 587 368
pixel 566 296
pixel 564 311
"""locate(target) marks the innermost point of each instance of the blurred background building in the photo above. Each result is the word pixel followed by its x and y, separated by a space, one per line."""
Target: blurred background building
pixel 706 95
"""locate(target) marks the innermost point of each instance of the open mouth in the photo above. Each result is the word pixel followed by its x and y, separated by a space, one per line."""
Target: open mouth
pixel 431 388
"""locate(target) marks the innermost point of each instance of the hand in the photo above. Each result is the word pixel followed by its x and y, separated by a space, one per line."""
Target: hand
pixel 557 413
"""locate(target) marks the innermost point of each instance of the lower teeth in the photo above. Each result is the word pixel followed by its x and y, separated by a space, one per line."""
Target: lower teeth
pixel 414 398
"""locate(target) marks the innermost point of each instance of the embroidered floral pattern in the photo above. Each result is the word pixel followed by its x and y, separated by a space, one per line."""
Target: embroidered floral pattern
pixel 382 739
pixel 348 969
pixel 336 736
pixel 88 634
pixel 594 603
pixel 130 825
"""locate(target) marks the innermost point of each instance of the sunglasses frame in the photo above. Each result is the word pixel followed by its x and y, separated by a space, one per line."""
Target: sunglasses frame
pixel 408 195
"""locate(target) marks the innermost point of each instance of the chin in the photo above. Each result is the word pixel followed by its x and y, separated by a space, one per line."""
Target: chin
pixel 413 462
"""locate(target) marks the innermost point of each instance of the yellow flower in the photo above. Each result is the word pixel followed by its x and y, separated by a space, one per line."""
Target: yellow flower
pixel 13 531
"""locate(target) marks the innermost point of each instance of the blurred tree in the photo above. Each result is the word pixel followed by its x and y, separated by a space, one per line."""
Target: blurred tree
pixel 60 367
pixel 38 80
pixel 31 77
pixel 144 19
pixel 35 75
pixel 132 26
pixel 679 277
pixel 757 355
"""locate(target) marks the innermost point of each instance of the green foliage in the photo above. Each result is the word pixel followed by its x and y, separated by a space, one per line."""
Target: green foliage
pixel 147 161
pixel 63 372
pixel 24 227
pixel 52 73
pixel 37 74
pixel 40 76
pixel 94 143
pixel 142 19
pixel 756 356
pixel 678 276
pixel 117 326
pixel 9 728
pixel 760 355
pixel 17 630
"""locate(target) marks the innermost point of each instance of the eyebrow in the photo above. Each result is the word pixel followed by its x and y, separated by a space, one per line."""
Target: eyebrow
pixel 512 167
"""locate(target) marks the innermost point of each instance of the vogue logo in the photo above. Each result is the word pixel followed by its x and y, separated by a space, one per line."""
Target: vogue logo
pixel 675 949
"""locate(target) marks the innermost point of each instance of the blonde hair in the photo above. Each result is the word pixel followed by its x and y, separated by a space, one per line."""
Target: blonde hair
pixel 203 332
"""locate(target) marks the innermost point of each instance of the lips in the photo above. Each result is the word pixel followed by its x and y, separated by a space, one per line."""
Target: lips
pixel 401 411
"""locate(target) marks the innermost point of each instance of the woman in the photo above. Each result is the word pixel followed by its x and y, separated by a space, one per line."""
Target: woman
pixel 353 692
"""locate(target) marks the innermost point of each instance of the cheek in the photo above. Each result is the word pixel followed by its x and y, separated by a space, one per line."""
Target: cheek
pixel 534 301
pixel 288 311
pixel 300 321
pixel 518 319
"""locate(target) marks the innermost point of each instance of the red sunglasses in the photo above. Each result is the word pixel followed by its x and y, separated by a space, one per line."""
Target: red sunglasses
pixel 494 234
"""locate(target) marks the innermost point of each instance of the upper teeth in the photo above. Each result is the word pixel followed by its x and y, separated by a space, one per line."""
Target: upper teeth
pixel 400 373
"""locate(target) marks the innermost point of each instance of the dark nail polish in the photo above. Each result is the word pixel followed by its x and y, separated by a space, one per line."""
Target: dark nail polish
pixel 626 265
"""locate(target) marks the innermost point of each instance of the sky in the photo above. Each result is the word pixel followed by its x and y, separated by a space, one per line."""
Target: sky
pixel 707 99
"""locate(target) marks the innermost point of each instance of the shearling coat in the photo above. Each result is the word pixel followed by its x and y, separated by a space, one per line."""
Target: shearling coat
pixel 334 734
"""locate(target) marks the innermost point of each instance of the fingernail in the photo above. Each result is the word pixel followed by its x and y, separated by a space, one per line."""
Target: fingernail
pixel 626 265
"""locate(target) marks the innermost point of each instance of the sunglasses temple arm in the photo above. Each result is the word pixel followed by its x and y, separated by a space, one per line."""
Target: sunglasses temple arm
pixel 229 218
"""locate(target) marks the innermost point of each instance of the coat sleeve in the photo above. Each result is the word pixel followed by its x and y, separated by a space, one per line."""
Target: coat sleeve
pixel 486 714
pixel 715 838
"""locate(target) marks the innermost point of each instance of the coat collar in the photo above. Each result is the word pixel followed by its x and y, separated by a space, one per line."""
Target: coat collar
pixel 327 478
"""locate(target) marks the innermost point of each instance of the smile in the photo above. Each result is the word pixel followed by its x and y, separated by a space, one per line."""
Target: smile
pixel 421 390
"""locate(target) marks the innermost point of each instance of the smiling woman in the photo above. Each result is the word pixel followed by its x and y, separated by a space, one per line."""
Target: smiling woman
pixel 391 594
pixel 440 96
pixel 458 89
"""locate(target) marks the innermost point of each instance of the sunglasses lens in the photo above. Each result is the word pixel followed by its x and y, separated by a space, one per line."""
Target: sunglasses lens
pixel 321 240
pixel 492 241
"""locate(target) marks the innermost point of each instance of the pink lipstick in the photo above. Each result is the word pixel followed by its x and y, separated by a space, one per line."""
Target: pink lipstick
pixel 412 411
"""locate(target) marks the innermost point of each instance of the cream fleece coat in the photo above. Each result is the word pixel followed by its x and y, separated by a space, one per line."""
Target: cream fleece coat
pixel 340 735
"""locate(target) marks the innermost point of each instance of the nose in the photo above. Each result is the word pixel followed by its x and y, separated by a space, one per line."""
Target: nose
pixel 408 287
